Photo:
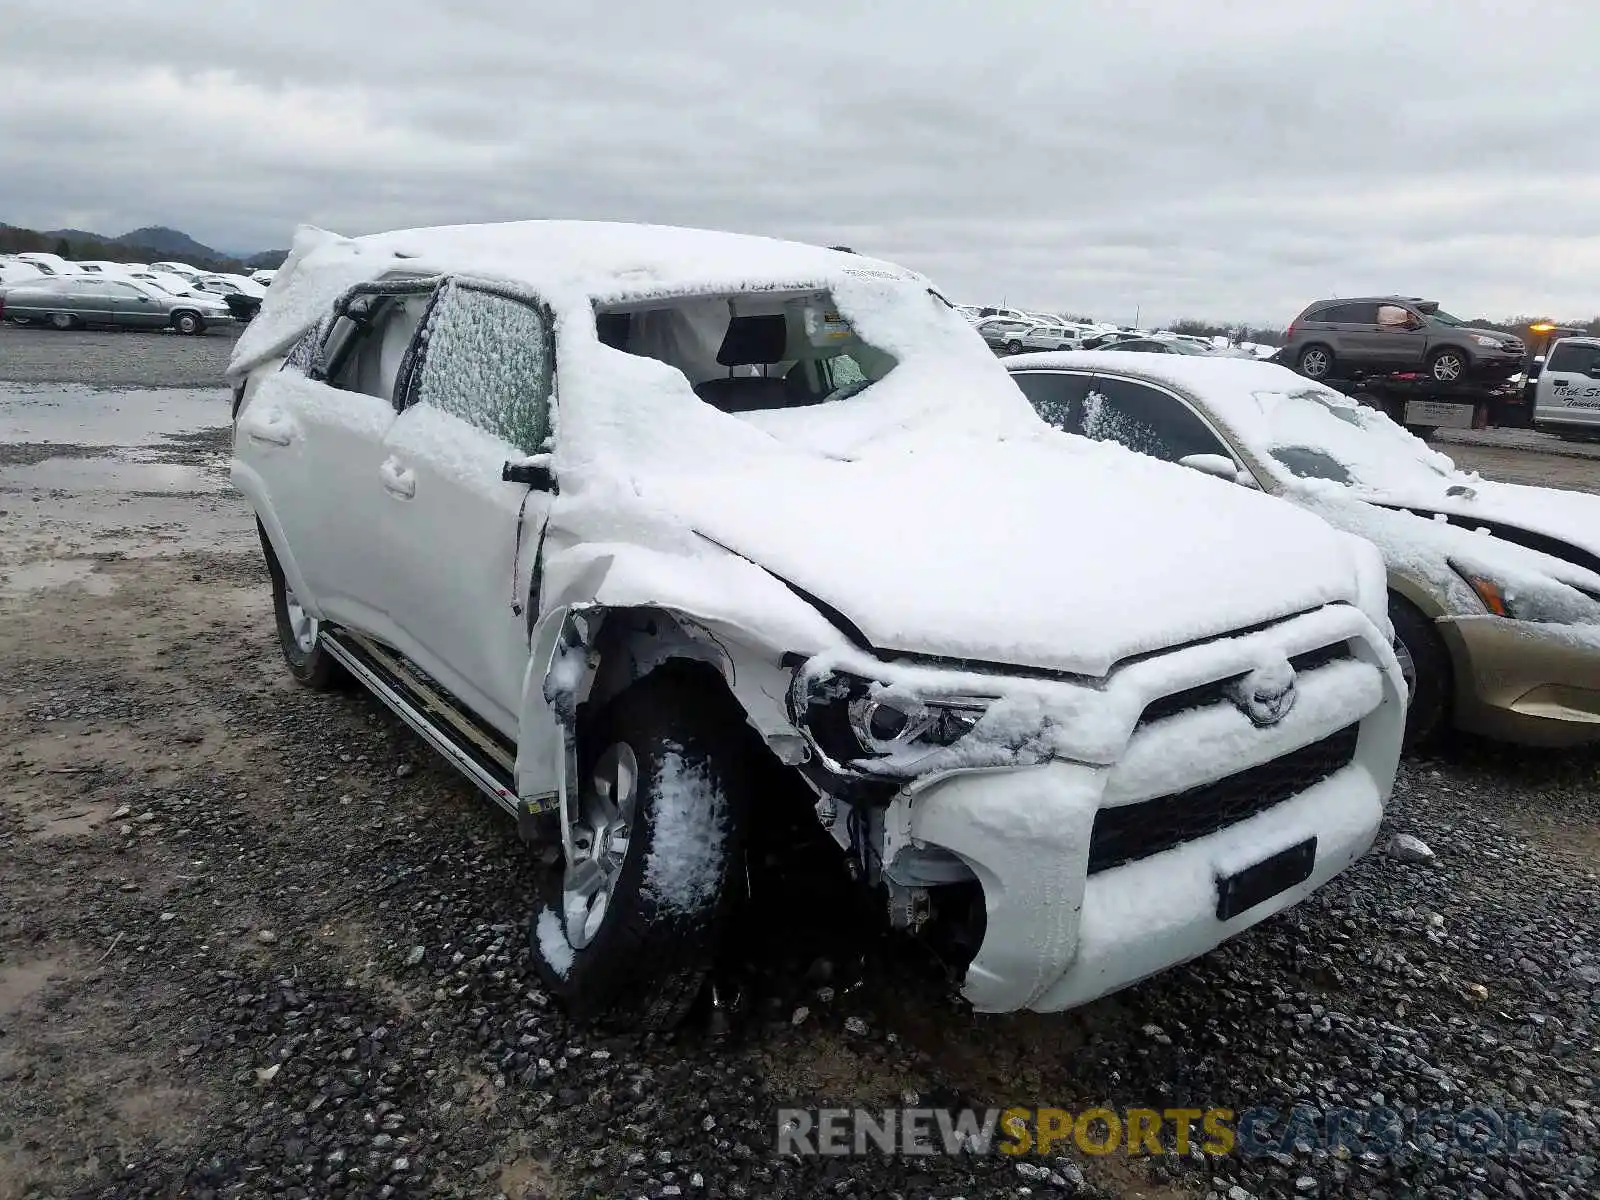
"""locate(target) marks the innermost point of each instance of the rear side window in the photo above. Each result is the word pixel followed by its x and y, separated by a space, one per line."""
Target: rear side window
pixel 1349 314
pixel 1574 358
pixel 1142 418
pixel 488 358
pixel 1057 396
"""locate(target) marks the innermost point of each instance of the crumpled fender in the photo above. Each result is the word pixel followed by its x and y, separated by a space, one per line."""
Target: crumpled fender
pixel 730 597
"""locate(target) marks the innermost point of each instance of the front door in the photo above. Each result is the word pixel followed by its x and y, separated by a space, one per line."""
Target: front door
pixel 476 394
pixel 312 433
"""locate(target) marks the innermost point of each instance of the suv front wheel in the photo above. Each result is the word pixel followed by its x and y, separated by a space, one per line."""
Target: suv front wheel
pixel 652 858
pixel 1315 362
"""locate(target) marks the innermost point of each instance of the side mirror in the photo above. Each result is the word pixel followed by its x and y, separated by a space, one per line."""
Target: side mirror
pixel 536 475
pixel 1219 465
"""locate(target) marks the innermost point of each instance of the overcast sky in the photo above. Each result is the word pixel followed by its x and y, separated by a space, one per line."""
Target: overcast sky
pixel 1224 160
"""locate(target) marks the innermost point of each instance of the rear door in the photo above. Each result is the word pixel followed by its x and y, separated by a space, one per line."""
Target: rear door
pixel 477 394
pixel 90 298
pixel 1568 391
pixel 1353 333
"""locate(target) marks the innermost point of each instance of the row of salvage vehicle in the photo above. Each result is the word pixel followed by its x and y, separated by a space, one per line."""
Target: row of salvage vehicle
pixel 658 533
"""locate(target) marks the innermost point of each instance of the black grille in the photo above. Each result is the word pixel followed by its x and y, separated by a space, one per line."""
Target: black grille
pixel 1134 831
pixel 1205 694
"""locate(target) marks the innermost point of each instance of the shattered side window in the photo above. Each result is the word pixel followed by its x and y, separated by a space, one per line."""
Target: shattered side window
pixel 489 359
pixel 304 352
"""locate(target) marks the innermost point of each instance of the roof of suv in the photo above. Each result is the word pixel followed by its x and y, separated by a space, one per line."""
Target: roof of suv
pixel 564 262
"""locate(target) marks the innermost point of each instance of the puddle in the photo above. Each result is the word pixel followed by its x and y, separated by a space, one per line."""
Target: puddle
pixel 55 573
pixel 86 472
pixel 113 474
pixel 69 414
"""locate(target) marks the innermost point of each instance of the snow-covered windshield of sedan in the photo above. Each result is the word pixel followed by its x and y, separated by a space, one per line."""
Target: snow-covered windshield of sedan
pixel 751 351
pixel 1313 437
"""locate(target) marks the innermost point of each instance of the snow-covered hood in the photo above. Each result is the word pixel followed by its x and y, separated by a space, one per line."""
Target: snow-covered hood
pixel 1050 552
pixel 1571 517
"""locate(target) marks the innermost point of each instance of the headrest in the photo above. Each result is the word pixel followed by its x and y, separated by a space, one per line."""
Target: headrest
pixel 754 341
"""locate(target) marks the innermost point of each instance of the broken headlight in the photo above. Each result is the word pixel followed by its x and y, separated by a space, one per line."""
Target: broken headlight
pixel 862 724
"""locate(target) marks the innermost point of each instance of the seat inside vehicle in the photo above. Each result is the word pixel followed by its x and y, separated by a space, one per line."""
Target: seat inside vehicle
pixel 750 353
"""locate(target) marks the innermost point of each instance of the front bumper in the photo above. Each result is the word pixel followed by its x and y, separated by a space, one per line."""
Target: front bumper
pixel 1521 681
pixel 1057 936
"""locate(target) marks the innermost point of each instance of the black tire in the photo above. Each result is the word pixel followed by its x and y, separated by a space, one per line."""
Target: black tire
pixel 64 321
pixel 1013 347
pixel 188 323
pixel 311 665
pixel 1428 711
pixel 1455 364
pixel 645 965
pixel 1315 361
pixel 1064 346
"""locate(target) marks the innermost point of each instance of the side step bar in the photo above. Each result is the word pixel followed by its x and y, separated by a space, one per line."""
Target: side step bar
pixel 479 755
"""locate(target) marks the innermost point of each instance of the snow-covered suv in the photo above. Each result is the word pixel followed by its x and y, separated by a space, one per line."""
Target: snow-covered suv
pixel 619 517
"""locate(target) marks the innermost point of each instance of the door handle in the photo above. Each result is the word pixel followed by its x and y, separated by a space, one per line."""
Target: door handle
pixel 271 427
pixel 398 480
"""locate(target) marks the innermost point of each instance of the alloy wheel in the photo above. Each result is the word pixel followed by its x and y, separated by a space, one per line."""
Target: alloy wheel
pixel 595 843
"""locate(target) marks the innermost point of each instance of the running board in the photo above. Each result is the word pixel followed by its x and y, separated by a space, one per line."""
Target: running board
pixel 477 754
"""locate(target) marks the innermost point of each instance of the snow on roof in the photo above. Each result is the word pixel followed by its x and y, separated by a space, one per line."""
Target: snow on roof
pixel 563 262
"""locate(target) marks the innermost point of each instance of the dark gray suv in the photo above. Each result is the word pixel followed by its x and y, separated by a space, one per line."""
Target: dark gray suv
pixel 1380 334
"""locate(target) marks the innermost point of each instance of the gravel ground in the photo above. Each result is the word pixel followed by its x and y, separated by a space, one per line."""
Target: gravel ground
pixel 260 942
pixel 114 358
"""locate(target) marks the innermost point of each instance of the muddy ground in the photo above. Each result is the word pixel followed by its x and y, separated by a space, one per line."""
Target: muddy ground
pixel 256 941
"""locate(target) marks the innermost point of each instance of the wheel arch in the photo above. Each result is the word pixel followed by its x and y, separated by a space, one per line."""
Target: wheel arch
pixel 583 656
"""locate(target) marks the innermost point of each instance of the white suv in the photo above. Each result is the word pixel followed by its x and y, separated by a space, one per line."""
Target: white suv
pixel 630 522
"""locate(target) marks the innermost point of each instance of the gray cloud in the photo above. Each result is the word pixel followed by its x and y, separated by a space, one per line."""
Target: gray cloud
pixel 1233 161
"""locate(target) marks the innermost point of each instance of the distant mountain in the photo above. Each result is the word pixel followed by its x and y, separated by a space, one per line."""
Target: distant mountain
pixel 152 243
pixel 172 243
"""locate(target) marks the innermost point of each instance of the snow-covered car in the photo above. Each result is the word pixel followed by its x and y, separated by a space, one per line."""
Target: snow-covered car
pixel 264 276
pixel 1494 588
pixel 641 527
pixel 178 268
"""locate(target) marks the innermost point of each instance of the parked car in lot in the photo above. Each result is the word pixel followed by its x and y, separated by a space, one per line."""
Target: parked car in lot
pixel 1380 334
pixel 74 301
pixel 50 264
pixel 240 294
pixel 1155 345
pixel 100 266
pixel 178 268
pixel 1041 337
pixel 998 332
pixel 264 277
pixel 1494 588
pixel 1566 398
pixel 639 614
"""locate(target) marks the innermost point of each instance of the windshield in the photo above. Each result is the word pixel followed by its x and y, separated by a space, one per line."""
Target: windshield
pixel 1315 434
pixel 1444 318
pixel 752 351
